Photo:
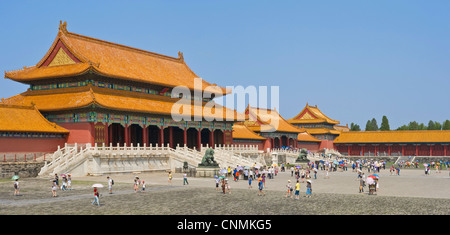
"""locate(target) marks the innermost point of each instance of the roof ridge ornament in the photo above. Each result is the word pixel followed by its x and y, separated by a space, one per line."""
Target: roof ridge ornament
pixel 63 26
pixel 180 56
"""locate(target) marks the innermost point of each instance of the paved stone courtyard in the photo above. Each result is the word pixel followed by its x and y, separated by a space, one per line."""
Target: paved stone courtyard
pixel 411 192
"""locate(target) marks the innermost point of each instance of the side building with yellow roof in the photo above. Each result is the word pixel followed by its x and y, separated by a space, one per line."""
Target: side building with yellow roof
pixel 394 143
pixel 23 129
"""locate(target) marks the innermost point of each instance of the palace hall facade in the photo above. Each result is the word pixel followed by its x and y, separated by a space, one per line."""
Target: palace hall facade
pixel 97 91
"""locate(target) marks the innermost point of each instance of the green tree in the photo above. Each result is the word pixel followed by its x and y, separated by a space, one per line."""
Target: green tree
pixel 354 127
pixel 368 126
pixel 413 126
pixel 403 128
pixel 385 124
pixel 434 125
pixel 374 124
pixel 446 125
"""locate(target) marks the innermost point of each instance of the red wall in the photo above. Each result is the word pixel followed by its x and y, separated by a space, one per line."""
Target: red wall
pixel 313 147
pixel 82 132
pixel 30 145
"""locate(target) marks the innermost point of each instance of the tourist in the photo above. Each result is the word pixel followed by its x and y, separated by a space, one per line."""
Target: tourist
pixel 96 197
pixel 315 173
pixel 250 182
pixel 297 190
pixel 261 186
pixel 361 185
pixel 135 185
pixel 264 179
pixel 308 188
pixel 64 184
pixel 170 177
pixel 289 189
pixel 69 182
pixel 227 186
pixel 185 181
pixel 143 186
pixel 110 184
pixel 57 180
pixel 217 182
pixel 54 187
pixel 16 187
pixel 223 185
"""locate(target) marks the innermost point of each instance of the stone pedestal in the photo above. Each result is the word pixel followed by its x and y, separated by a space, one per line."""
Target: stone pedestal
pixel 207 171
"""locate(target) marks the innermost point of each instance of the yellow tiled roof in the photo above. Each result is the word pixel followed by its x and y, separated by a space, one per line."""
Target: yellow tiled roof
pixel 312 114
pixel 79 97
pixel 242 132
pixel 267 120
pixel 15 118
pixel 111 60
pixel 305 136
pixel 426 136
pixel 317 131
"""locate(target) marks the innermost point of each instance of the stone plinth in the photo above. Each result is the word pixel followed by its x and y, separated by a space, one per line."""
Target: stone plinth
pixel 207 171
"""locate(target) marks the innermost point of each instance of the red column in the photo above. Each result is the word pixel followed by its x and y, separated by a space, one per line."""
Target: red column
pixel 403 150
pixel 445 150
pixel 145 136
pixel 349 149
pixel 127 135
pixel 171 137
pixel 389 149
pixel 431 150
pixel 417 150
pixel 280 141
pixel 211 139
pixel 376 150
pixel 106 139
pixel 185 137
pixel 161 136
pixel 362 150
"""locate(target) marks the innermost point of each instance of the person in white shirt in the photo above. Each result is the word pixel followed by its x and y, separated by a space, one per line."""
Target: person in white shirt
pixel 110 183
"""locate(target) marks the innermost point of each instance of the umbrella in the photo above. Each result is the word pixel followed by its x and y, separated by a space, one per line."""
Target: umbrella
pixel 274 164
pixel 297 166
pixel 247 167
pixel 97 186
pixel 223 171
pixel 257 166
pixel 63 175
pixel 372 176
pixel 309 181
pixel 425 164
pixel 358 170
pixel 221 177
pixel 15 177
pixel 376 175
pixel 369 180
pixel 239 168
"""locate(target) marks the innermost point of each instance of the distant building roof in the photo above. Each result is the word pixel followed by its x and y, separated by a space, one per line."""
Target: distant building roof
pixel 312 114
pixel 425 136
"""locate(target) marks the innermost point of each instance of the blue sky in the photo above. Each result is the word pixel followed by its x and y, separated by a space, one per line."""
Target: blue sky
pixel 356 60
